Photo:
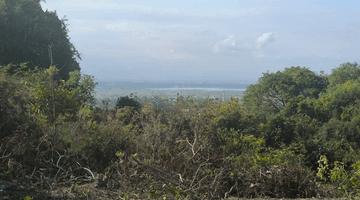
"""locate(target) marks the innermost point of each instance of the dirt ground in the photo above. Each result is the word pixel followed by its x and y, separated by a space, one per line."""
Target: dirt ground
pixel 89 192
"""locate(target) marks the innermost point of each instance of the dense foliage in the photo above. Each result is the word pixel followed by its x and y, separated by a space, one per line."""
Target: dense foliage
pixel 127 101
pixel 29 34
pixel 295 135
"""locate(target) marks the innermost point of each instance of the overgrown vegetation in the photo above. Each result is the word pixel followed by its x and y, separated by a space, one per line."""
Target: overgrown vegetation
pixel 290 138
pixel 296 133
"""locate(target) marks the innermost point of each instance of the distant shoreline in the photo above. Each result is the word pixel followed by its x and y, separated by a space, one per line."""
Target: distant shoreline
pixel 177 89
pixel 171 93
pixel 175 85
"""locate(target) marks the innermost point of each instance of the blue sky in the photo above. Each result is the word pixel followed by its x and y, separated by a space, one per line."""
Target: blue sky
pixel 209 40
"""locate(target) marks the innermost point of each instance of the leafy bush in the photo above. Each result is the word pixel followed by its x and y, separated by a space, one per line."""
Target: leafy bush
pixel 127 101
pixel 343 182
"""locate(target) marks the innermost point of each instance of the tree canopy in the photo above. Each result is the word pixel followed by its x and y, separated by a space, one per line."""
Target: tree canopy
pixel 29 34
pixel 274 90
pixel 345 72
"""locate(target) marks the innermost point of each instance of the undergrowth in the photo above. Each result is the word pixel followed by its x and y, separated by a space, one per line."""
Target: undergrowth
pixel 191 150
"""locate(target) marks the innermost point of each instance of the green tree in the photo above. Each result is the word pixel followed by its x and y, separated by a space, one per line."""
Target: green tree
pixel 12 99
pixel 47 100
pixel 339 140
pixel 278 130
pixel 50 98
pixel 82 87
pixel 28 34
pixel 274 90
pixel 337 99
pixel 345 72
pixel 127 101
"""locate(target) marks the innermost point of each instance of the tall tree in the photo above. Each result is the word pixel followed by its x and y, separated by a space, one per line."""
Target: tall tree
pixel 274 90
pixel 345 72
pixel 28 34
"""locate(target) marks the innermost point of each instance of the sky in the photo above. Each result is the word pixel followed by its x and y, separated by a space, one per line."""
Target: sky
pixel 209 40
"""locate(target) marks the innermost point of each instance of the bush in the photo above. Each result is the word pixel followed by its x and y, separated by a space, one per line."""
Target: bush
pixel 127 101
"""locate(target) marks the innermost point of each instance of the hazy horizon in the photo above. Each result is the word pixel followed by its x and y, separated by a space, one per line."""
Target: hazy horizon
pixel 172 85
pixel 198 40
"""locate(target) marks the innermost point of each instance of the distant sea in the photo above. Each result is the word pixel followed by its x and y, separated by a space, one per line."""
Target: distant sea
pixel 172 85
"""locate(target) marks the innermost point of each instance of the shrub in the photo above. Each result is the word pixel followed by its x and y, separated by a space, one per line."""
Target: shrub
pixel 127 101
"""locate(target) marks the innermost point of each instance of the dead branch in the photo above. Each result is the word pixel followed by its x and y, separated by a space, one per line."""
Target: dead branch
pixel 157 170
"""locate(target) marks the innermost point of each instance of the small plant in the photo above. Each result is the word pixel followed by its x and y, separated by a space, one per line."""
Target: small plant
pixel 119 154
pixel 154 195
pixel 176 192
pixel 124 196
pixel 81 193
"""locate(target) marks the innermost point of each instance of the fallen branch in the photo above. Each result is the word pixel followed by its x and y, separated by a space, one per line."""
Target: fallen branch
pixel 81 167
pixel 158 175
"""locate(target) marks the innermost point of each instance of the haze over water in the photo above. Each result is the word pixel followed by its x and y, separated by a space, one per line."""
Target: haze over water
pixel 211 86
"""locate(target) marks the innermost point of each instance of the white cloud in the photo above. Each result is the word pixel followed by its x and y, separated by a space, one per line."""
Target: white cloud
pixel 228 42
pixel 264 39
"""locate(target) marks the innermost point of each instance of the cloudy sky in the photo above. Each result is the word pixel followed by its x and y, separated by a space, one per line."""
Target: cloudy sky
pixel 209 40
